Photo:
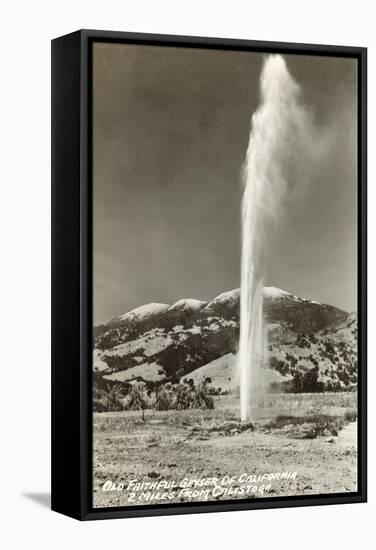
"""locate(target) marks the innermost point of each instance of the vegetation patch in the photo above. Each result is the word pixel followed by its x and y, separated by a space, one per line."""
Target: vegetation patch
pixel 308 426
pixel 133 397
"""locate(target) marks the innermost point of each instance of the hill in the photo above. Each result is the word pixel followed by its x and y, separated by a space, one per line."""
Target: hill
pixel 311 346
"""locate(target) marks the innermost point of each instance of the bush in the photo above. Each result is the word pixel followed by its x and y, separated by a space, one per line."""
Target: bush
pixel 163 399
pixel 108 398
pixel 201 398
pixel 308 381
pixel 137 399
pixel 184 395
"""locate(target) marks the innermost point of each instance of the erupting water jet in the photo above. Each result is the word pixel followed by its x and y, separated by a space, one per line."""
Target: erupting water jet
pixel 278 129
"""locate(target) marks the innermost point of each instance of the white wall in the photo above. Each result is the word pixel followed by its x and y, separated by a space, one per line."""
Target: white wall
pixel 27 27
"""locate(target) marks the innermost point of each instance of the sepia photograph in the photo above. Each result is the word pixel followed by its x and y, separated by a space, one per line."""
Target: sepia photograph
pixel 185 260
pixel 225 275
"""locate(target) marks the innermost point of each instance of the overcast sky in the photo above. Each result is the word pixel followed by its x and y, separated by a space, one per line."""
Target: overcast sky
pixel 171 128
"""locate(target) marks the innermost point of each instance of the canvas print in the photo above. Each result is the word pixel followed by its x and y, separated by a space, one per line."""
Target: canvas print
pixel 224 275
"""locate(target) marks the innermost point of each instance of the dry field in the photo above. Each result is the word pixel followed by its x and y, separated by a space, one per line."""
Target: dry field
pixel 309 438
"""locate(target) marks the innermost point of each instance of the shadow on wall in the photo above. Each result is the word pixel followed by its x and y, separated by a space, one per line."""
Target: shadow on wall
pixel 43 499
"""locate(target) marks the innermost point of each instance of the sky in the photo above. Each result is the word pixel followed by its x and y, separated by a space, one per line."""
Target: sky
pixel 170 132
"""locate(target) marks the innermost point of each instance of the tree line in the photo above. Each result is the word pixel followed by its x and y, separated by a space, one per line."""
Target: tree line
pixel 168 396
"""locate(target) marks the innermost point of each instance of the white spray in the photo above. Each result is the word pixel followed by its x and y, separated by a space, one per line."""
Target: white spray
pixel 278 139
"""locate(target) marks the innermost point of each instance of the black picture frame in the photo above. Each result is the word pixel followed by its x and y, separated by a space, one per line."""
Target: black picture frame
pixel 72 266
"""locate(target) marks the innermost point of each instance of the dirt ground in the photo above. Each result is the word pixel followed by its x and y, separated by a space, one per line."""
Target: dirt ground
pixel 302 444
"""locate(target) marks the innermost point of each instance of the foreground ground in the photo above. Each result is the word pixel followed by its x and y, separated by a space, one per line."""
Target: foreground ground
pixel 298 444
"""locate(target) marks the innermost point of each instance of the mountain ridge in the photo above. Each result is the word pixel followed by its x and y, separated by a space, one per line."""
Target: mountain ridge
pixel 160 342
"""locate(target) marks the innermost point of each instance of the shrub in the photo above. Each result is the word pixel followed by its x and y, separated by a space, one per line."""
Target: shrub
pixel 163 399
pixel 108 398
pixel 137 399
pixel 202 398
pixel 184 395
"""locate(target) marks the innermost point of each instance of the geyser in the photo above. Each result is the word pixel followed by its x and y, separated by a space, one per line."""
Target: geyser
pixel 279 130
